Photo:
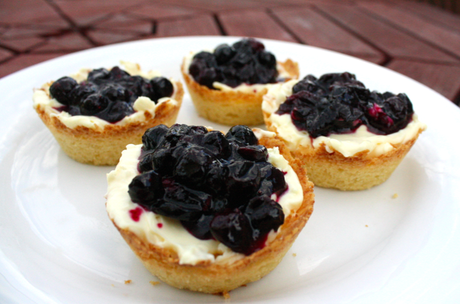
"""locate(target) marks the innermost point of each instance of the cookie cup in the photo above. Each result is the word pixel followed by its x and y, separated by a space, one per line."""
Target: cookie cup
pixel 217 277
pixel 91 140
pixel 340 162
pixel 232 106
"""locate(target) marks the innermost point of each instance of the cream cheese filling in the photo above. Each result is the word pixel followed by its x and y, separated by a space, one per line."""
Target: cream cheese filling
pixel 168 233
pixel 244 88
pixel 42 99
pixel 347 144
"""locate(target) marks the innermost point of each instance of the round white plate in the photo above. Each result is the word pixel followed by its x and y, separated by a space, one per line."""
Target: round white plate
pixel 57 244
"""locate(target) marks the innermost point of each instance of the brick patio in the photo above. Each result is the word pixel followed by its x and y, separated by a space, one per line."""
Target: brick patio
pixel 416 39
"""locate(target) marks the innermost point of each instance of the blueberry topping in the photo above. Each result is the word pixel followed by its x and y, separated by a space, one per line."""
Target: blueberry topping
pixel 255 153
pixel 146 188
pixel 241 134
pixel 162 86
pixel 234 230
pixel 218 186
pixel 94 104
pixel 338 103
pixel 153 137
pixel 62 89
pixel 246 61
pixel 261 208
pixel 109 95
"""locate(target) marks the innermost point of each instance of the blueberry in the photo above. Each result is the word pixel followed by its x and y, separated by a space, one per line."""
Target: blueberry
pixel 192 165
pixel 242 182
pixel 153 137
pixel 73 110
pixel 146 161
pixel 117 74
pixel 181 202
pixel 255 153
pixel 267 59
pixel 176 132
pixel 146 188
pixel 200 228
pixel 241 59
pixel 216 177
pixel 114 92
pixel 98 76
pixel 234 230
pixel 216 143
pixel 224 53
pixel 196 67
pixel 94 104
pixel 81 91
pixel 116 111
pixel 162 86
pixel 264 214
pixel 207 77
pixel 162 160
pixel 242 135
pixel 273 181
pixel 62 88
pixel 256 45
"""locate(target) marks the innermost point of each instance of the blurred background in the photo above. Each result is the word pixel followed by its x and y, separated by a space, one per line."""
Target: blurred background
pixel 420 39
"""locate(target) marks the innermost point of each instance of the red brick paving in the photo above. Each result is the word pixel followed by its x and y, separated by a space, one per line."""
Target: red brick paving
pixel 102 37
pixel 413 38
pixel 22 45
pixel 254 23
pixel 86 12
pixel 432 13
pixel 201 25
pixel 433 33
pixel 126 23
pixel 23 61
pixel 158 10
pixel 68 42
pixel 313 28
pixel 5 54
pixel 387 38
pixel 431 75
pixel 18 12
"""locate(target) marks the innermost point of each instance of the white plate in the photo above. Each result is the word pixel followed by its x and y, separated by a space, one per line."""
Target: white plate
pixel 57 244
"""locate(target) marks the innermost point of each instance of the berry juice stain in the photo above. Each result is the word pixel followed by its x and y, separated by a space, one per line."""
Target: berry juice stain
pixel 136 213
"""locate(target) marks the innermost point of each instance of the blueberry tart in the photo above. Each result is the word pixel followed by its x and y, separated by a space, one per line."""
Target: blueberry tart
pixel 94 114
pixel 227 84
pixel 348 137
pixel 207 211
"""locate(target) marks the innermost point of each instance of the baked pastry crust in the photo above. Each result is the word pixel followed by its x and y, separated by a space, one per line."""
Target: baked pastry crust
pixel 331 169
pixel 231 107
pixel 103 145
pixel 221 277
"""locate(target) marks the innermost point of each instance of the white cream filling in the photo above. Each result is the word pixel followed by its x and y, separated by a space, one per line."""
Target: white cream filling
pixel 42 99
pixel 347 144
pixel 244 88
pixel 168 233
